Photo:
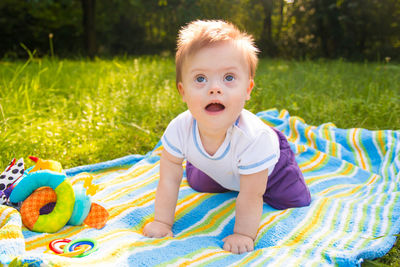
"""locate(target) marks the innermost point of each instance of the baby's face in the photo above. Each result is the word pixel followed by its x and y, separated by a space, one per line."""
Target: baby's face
pixel 215 85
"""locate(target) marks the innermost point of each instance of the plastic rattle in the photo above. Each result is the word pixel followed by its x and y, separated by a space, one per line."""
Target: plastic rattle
pixel 77 248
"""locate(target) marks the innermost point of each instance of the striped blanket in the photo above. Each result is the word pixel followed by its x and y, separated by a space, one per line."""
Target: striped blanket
pixel 353 176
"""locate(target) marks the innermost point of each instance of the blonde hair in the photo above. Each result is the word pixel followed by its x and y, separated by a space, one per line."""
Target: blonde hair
pixel 202 33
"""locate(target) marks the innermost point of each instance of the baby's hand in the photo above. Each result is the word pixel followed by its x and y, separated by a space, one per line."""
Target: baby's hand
pixel 157 229
pixel 238 243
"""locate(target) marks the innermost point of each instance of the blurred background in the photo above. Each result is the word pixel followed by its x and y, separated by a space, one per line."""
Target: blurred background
pixel 290 29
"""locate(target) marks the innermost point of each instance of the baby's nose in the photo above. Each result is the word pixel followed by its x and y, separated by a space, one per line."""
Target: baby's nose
pixel 215 89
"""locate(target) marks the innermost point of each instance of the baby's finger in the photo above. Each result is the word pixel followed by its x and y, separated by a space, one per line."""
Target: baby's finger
pixel 169 234
pixel 242 249
pixel 151 235
pixel 235 249
pixel 146 234
pixel 249 247
pixel 227 247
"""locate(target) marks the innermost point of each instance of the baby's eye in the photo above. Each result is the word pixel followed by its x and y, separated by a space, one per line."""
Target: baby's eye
pixel 200 79
pixel 229 78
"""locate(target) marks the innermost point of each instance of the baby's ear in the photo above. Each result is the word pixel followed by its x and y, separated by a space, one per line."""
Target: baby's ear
pixel 181 91
pixel 249 89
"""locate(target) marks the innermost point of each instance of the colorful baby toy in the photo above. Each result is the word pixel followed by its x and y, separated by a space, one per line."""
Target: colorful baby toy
pixel 8 178
pixel 77 248
pixel 45 165
pixel 50 201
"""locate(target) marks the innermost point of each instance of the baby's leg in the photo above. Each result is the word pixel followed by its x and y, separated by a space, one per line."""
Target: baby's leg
pixel 201 182
pixel 286 187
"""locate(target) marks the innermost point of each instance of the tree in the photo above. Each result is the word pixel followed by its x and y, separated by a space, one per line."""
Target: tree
pixel 89 26
pixel 267 41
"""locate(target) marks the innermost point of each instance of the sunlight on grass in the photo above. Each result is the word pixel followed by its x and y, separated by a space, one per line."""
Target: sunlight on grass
pixel 85 112
pixel 82 112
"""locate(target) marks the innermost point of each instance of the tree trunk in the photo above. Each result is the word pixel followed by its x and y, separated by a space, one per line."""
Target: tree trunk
pixel 281 5
pixel 321 30
pixel 89 29
pixel 266 36
pixel 267 27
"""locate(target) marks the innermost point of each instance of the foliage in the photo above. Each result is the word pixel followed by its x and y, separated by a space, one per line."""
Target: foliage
pixel 352 29
pixel 30 22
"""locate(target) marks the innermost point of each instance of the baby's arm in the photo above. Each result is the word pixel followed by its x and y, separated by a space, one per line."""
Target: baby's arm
pixel 249 206
pixel 166 196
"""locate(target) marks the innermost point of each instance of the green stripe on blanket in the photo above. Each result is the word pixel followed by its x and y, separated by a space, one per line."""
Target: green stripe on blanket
pixel 353 176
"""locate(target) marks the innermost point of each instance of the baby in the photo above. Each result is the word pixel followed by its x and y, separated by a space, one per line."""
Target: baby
pixel 226 147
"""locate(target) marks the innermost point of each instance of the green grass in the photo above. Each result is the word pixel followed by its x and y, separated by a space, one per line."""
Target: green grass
pixel 82 112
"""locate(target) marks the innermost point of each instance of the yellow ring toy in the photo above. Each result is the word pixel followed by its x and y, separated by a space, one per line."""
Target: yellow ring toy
pixel 30 209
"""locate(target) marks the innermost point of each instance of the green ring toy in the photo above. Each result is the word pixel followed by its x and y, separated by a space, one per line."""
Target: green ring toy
pixel 82 241
pixel 58 218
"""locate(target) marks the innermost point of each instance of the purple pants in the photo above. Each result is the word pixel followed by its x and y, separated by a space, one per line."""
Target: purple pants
pixel 286 187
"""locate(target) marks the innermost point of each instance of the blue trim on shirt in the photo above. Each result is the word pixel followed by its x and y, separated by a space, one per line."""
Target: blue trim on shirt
pixel 171 146
pixel 198 146
pixel 237 121
pixel 251 166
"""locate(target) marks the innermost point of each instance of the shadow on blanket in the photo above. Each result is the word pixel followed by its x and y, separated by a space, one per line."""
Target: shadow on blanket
pixel 353 176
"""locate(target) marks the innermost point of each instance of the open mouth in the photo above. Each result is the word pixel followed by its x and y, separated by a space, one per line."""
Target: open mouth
pixel 215 107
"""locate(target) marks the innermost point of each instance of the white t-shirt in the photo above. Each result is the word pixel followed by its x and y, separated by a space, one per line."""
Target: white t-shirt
pixel 250 146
